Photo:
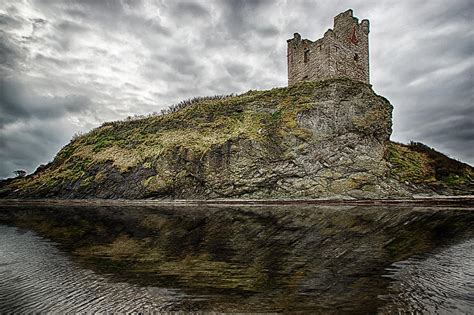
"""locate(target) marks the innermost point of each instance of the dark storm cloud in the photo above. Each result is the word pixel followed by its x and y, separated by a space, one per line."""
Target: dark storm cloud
pixel 33 127
pixel 17 103
pixel 427 74
pixel 67 66
pixel 28 145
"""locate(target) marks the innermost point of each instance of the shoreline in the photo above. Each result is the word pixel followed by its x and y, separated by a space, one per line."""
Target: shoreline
pixel 417 201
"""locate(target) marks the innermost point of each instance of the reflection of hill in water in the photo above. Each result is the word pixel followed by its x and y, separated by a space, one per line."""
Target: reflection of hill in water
pixel 252 258
pixel 35 277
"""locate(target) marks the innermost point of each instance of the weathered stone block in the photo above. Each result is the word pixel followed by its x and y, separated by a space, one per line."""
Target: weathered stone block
pixel 343 52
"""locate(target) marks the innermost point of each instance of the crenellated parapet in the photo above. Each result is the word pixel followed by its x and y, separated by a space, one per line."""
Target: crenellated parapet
pixel 343 52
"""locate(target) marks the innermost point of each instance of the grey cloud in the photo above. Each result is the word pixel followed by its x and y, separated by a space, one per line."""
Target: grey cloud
pixel 267 31
pixel 38 24
pixel 8 52
pixel 183 62
pixel 75 13
pixel 11 55
pixel 190 9
pixel 32 144
pixel 174 65
pixel 110 15
pixel 50 60
pixel 17 103
pixel 71 27
pixel 34 127
pixel 238 17
pixel 449 14
pixel 144 26
pixel 237 71
pixel 111 7
pixel 454 137
pixel 8 21
pixel 119 58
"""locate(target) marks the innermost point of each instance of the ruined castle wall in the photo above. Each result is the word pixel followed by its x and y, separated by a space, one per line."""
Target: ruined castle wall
pixel 342 52
pixel 309 61
pixel 351 51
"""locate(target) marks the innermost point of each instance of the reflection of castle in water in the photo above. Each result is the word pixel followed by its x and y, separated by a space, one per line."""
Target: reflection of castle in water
pixel 343 52
pixel 309 259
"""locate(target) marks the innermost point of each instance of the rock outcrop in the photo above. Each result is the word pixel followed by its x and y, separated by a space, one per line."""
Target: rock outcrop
pixel 328 139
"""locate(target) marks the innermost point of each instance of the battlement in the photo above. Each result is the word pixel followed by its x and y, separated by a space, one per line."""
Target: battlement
pixel 343 52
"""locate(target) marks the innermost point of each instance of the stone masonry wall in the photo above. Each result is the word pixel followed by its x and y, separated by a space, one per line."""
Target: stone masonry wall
pixel 342 52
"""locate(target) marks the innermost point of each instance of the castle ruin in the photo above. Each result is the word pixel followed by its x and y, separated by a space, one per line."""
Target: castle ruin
pixel 343 52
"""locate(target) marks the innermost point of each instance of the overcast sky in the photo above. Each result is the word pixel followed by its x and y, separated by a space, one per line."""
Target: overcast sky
pixel 68 66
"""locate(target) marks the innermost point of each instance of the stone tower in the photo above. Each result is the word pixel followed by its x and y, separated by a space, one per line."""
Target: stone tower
pixel 343 52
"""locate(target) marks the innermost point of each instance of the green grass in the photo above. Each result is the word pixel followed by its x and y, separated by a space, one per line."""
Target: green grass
pixel 263 116
pixel 418 163
pixel 197 128
pixel 408 165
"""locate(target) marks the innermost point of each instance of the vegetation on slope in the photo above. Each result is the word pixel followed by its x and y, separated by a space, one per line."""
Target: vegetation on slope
pixel 417 163
pixel 144 150
pixel 194 129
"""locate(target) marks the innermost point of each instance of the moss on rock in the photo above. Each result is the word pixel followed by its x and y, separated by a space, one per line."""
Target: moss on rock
pixel 310 140
pixel 416 163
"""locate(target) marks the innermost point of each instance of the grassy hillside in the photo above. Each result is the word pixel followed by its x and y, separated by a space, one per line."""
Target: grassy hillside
pixel 417 163
pixel 194 129
pixel 310 140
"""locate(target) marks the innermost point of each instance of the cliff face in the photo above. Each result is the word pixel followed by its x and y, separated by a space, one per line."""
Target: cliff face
pixel 311 140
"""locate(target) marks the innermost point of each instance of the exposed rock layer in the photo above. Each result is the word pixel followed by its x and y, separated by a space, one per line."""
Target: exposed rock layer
pixel 313 140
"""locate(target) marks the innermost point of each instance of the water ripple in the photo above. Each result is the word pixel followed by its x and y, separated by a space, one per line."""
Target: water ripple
pixel 438 283
pixel 36 277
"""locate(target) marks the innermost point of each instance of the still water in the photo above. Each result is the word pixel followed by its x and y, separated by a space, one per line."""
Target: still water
pixel 126 258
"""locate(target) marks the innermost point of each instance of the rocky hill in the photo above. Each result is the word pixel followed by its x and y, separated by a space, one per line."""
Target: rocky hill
pixel 327 139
